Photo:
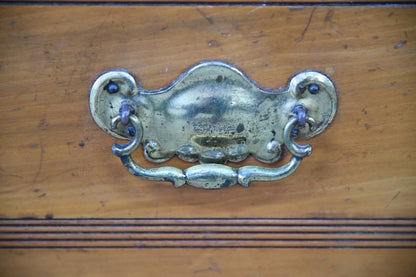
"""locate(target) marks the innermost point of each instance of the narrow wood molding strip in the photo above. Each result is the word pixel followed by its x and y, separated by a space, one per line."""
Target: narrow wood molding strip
pixel 211 2
pixel 202 233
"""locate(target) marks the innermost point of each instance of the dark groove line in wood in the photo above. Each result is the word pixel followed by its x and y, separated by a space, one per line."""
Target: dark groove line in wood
pixel 334 3
pixel 210 247
pixel 217 239
pixel 207 233
pixel 273 221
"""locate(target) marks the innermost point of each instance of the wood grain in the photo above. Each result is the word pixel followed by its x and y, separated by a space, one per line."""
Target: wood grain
pixel 343 213
pixel 208 233
pixel 208 262
pixel 55 162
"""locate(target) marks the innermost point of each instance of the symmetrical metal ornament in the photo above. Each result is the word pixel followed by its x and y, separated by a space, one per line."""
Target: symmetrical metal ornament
pixel 213 114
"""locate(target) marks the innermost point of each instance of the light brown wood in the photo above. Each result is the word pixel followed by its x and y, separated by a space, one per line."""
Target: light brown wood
pixel 343 213
pixel 55 162
pixel 208 262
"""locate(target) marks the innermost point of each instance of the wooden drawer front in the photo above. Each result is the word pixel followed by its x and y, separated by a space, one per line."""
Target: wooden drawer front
pixel 356 190
pixel 56 162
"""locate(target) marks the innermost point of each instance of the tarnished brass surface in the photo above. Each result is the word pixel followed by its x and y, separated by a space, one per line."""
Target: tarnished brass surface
pixel 213 114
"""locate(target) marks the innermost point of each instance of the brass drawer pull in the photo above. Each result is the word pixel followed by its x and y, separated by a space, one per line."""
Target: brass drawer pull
pixel 213 114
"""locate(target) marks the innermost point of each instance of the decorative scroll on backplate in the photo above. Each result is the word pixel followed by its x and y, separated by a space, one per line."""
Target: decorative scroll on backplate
pixel 213 114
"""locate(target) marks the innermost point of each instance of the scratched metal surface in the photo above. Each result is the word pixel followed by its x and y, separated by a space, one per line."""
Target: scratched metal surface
pixel 213 113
